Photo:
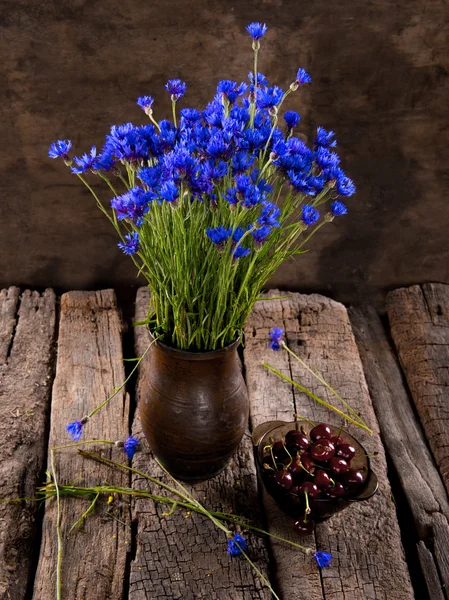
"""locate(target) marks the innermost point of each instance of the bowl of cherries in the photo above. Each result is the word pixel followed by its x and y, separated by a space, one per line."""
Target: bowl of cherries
pixel 312 470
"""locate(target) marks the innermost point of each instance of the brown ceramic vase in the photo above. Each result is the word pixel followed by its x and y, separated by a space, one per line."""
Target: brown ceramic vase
pixel 195 409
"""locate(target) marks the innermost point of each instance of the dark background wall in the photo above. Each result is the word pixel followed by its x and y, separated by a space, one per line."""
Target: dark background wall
pixel 380 80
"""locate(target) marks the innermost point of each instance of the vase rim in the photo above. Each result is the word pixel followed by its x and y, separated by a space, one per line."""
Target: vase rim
pixel 194 354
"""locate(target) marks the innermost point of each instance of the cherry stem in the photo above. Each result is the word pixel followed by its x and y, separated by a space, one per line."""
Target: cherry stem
pixel 304 419
pixel 307 511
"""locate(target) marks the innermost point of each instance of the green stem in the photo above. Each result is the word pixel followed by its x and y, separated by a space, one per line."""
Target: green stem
pixel 83 444
pixel 316 398
pixel 85 514
pixel 58 529
pixel 173 106
pixel 190 501
pixel 91 414
pixel 321 380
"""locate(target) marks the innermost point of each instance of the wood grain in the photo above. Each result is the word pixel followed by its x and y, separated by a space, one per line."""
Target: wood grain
pixel 419 321
pixel 184 556
pixel 89 366
pixel 27 328
pixel 405 442
pixel 364 540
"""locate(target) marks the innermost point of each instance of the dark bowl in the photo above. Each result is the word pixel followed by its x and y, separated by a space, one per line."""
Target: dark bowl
pixel 321 508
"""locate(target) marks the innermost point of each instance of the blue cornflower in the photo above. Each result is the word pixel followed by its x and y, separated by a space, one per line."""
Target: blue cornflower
pixel 269 215
pixel 239 114
pixel 338 208
pixel 235 550
pixel 146 103
pixel 60 149
pixel 170 191
pixel 345 186
pixel 241 162
pixel 231 196
pixel 130 446
pixel 231 90
pixel 151 176
pixel 85 162
pixel 132 205
pixel 279 148
pixel 269 97
pixel 257 30
pixel 240 252
pixel 104 161
pixel 242 182
pixel 292 118
pixel 218 235
pixel 310 215
pixel 131 245
pixel 261 234
pixel 276 337
pixel 324 138
pixel 262 81
pixel 326 159
pixel 218 146
pixel 252 196
pixel 302 77
pixel 190 115
pixel 323 559
pixel 75 430
pixel 301 184
pixel 297 146
pixel 238 234
pixel 262 184
pixel 213 114
pixel 176 88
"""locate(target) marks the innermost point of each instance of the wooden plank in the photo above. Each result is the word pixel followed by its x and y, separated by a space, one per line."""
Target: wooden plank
pixel 27 328
pixel 89 366
pixel 364 540
pixel 404 439
pixel 419 321
pixel 430 572
pixel 185 556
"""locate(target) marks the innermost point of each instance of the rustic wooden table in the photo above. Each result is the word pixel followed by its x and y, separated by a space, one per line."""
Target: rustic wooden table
pixel 58 360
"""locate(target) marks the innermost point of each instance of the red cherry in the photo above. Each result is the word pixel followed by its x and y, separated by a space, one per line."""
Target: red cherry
pixel 304 528
pixel 337 490
pixel 337 441
pixel 296 466
pixel 352 478
pixel 309 487
pixel 307 462
pixel 283 479
pixel 320 432
pixel 322 479
pixel 346 451
pixel 323 450
pixel 279 451
pixel 297 441
pixel 338 465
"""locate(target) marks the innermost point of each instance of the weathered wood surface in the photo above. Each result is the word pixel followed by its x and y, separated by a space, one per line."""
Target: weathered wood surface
pixel 184 556
pixel 27 327
pixel 89 366
pixel 368 559
pixel 430 572
pixel 405 442
pixel 419 322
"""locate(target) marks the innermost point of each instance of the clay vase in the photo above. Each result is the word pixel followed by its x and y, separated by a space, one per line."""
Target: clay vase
pixel 194 409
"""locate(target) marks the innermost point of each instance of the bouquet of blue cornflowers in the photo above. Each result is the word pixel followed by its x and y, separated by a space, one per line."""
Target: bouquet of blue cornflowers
pixel 213 202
